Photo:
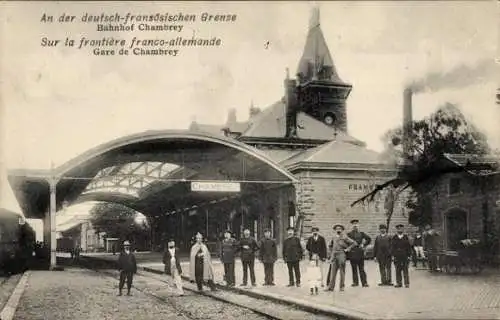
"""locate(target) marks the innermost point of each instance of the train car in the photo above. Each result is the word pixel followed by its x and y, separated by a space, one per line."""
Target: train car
pixel 17 243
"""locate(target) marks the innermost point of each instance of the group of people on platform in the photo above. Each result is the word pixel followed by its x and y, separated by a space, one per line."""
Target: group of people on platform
pixel 342 247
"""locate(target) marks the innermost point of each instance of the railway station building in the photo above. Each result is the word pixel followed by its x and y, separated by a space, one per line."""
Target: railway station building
pixel 292 163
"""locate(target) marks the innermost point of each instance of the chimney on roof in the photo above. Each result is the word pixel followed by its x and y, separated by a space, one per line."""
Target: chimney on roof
pixel 231 116
pixel 291 106
pixel 253 110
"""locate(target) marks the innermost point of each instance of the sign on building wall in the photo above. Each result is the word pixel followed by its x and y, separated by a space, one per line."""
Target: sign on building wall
pixel 360 187
pixel 215 186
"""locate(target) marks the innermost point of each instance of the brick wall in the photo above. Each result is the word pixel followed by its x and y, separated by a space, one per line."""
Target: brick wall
pixel 477 196
pixel 325 198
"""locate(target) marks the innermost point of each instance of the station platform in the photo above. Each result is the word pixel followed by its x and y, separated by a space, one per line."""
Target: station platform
pixel 430 296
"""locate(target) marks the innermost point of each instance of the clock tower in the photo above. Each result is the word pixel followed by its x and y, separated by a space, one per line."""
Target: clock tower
pixel 319 91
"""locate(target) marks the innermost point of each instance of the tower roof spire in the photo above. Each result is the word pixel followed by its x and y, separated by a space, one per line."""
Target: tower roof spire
pixel 314 20
pixel 316 61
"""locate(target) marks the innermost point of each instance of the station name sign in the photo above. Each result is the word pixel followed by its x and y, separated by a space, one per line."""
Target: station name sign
pixel 215 186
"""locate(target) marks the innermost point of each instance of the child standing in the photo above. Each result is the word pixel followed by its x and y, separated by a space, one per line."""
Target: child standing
pixel 314 274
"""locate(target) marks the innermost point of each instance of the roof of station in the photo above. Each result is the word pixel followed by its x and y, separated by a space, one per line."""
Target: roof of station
pixel 270 123
pixel 480 165
pixel 149 172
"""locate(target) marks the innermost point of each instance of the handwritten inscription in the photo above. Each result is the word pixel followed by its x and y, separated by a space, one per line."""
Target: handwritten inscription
pixel 162 25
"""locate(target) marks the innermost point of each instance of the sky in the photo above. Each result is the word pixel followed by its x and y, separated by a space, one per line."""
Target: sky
pixel 59 102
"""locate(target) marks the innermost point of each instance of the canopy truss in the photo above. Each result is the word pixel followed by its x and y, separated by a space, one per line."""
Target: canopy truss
pixel 149 172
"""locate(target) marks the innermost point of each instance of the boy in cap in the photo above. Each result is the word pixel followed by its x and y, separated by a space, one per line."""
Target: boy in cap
pixel 268 255
pixel 382 253
pixel 401 251
pixel 127 266
pixel 292 254
pixel 227 254
pixel 173 265
pixel 316 245
pixel 340 245
pixel 357 254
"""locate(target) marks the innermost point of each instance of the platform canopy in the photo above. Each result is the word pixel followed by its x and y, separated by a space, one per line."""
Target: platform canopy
pixel 150 172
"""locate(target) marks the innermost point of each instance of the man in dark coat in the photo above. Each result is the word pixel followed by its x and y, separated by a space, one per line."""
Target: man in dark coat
pixel 268 255
pixel 127 266
pixel 357 254
pixel 316 244
pixel 401 251
pixel 430 244
pixel 227 254
pixel 248 247
pixel 292 254
pixel 382 252
pixel 173 265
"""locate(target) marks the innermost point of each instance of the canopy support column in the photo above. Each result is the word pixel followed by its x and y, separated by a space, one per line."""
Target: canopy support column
pixel 52 219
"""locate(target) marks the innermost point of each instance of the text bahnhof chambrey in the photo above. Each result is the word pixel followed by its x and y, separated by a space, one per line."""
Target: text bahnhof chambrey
pixel 165 17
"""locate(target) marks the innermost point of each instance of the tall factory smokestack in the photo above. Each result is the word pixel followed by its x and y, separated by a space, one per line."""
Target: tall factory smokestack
pixel 291 106
pixel 407 122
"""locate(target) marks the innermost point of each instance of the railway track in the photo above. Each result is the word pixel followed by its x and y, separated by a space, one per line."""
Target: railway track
pixel 264 308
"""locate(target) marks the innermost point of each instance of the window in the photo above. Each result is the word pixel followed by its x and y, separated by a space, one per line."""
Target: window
pixel 271 226
pixel 256 229
pixel 454 186
pixel 291 214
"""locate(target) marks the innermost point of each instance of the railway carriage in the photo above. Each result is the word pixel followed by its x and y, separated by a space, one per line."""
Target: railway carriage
pixel 16 243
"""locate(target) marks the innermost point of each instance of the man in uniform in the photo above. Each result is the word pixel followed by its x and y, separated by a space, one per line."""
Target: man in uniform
pixel 316 244
pixel 228 252
pixel 127 266
pixel 401 251
pixel 382 252
pixel 357 254
pixel 292 254
pixel 268 255
pixel 248 247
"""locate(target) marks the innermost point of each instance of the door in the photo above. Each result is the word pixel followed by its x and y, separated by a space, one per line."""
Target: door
pixel 456 227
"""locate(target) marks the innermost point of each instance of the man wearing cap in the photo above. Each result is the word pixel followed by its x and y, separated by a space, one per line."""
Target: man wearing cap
pixel 401 251
pixel 173 265
pixel 357 254
pixel 127 266
pixel 268 255
pixel 339 246
pixel 382 253
pixel 227 254
pixel 316 244
pixel 292 254
pixel 248 247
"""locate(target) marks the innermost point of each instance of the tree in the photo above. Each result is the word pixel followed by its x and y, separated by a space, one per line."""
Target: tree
pixel 445 131
pixel 117 221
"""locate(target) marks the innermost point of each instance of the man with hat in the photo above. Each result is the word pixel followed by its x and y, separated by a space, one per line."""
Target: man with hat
pixel 292 254
pixel 316 244
pixel 227 254
pixel 127 266
pixel 357 254
pixel 382 253
pixel 401 251
pixel 268 255
pixel 340 245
